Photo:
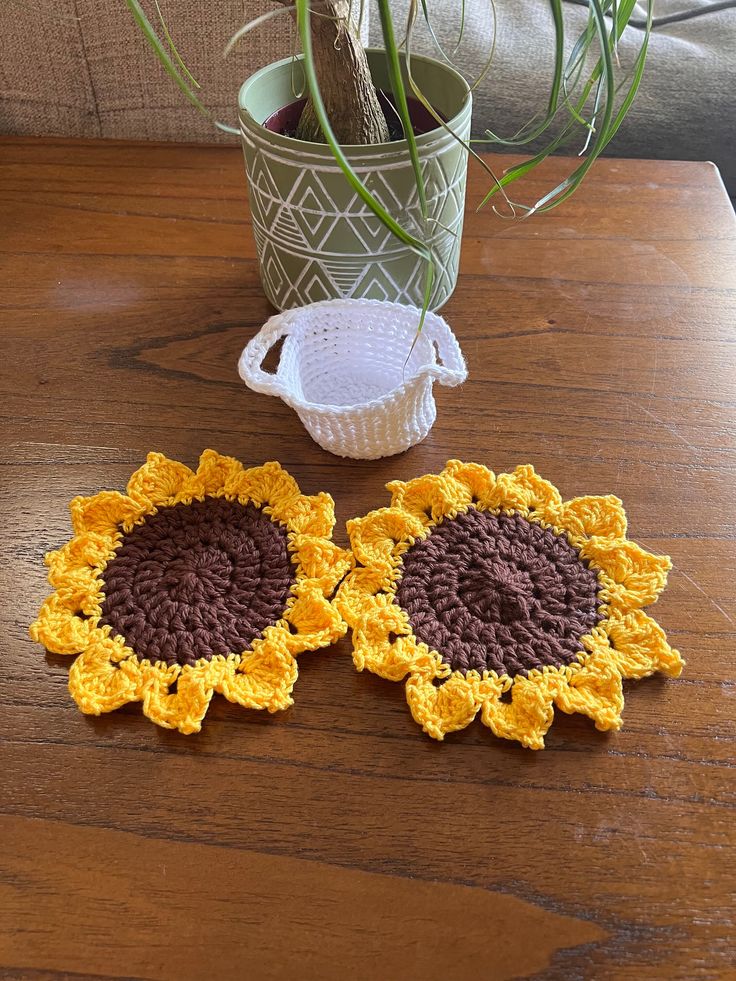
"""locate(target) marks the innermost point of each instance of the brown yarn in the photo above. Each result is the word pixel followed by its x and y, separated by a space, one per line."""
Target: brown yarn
pixel 498 592
pixel 197 580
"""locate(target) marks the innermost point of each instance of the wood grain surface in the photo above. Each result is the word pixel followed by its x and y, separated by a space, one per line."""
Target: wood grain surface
pixel 335 840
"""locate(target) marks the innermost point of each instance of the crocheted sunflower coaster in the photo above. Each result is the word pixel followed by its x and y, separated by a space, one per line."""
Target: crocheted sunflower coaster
pixel 494 595
pixel 193 583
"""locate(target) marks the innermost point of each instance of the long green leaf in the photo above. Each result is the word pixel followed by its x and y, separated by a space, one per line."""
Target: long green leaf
pixel 361 15
pixel 554 95
pixel 419 94
pixel 491 50
pixel 163 55
pixel 575 66
pixel 251 25
pixel 636 81
pixel 174 50
pixel 532 130
pixel 609 125
pixel 568 186
pixel 461 32
pixel 399 92
pixel 303 24
pixel 435 39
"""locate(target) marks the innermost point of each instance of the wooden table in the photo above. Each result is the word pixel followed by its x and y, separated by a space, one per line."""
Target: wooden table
pixel 335 840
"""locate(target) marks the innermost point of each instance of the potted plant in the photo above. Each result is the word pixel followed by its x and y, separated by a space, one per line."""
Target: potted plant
pixel 357 159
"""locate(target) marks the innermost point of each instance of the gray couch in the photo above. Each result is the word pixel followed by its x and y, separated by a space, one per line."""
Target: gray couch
pixel 80 68
pixel 686 106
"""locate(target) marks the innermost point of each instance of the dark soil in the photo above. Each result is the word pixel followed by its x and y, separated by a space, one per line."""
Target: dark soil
pixel 286 120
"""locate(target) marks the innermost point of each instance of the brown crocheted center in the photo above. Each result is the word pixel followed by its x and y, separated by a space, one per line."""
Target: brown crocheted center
pixel 498 593
pixel 196 580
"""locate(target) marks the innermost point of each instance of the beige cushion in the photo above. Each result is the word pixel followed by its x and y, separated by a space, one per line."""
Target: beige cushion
pixel 44 84
pixel 84 69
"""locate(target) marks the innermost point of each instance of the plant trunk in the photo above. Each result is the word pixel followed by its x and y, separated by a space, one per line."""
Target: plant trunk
pixel 345 81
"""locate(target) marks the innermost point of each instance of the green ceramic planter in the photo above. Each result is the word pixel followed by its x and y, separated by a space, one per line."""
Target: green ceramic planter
pixel 315 238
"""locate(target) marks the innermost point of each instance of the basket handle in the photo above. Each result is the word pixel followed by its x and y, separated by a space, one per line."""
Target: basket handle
pixel 450 369
pixel 249 365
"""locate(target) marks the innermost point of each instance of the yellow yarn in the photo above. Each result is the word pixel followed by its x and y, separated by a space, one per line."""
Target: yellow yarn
pixel 625 644
pixel 107 673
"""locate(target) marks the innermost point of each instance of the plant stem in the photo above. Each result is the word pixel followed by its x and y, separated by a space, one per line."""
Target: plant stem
pixel 348 92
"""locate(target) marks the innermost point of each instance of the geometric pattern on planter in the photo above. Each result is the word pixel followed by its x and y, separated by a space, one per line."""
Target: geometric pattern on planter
pixel 313 244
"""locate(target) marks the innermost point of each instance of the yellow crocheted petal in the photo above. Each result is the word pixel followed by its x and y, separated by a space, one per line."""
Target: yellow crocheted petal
pixel 161 482
pixel 116 650
pixel 83 595
pixel 183 709
pixel 394 659
pixel 310 515
pixel 100 681
pixel 479 481
pixel 60 629
pixel 585 517
pixel 384 644
pixel 528 715
pixel 268 486
pixel 379 538
pixel 315 622
pixel 104 513
pixel 321 561
pixel 636 578
pixel 523 490
pixel 218 474
pixel 639 646
pixel 75 571
pixel 429 498
pixel 85 553
pixel 355 596
pixel 445 708
pixel 595 690
pixel 264 678
pixel 539 492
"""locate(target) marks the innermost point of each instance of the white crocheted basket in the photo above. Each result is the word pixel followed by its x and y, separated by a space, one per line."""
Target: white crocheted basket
pixel 343 368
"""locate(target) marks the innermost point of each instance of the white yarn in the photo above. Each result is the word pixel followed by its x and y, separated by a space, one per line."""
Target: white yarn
pixel 344 370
